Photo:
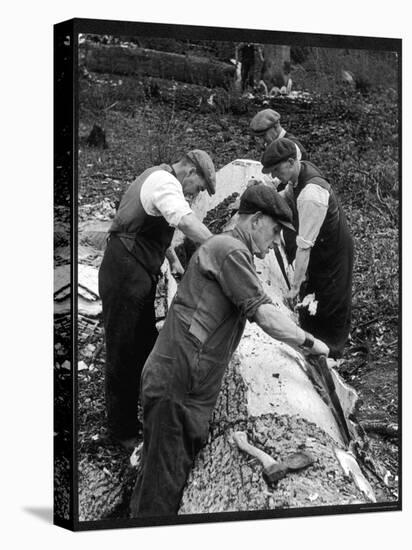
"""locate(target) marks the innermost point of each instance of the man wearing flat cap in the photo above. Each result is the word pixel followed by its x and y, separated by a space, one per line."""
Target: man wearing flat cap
pixel 266 126
pixel 182 376
pixel 155 204
pixel 322 245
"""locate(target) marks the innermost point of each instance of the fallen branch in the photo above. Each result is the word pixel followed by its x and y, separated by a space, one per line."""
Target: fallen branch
pixel 379 427
pixel 378 209
pixel 392 343
pixel 380 318
pixel 110 106
pixel 366 323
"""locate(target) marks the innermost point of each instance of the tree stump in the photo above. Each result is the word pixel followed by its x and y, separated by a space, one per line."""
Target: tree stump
pixel 97 138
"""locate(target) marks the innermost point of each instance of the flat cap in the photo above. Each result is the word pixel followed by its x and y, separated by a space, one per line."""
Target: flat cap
pixel 205 166
pixel 278 151
pixel 264 120
pixel 264 198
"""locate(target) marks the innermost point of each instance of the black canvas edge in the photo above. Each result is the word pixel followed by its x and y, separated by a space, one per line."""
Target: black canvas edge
pixel 65 154
pixel 77 26
pixel 220 517
pixel 63 131
pixel 198 32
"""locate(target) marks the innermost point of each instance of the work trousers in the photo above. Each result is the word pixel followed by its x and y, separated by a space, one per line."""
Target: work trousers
pixel 171 441
pixel 127 291
pixel 333 290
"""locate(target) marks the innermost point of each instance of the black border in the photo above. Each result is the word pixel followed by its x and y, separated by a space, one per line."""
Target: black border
pixel 127 28
pixel 63 149
pixel 101 26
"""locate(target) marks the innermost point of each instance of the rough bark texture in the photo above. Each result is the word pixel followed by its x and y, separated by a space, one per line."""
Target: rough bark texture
pixel 225 480
pixel 145 62
pixel 104 493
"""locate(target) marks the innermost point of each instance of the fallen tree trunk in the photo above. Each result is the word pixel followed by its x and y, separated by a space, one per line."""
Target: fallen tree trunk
pixel 145 62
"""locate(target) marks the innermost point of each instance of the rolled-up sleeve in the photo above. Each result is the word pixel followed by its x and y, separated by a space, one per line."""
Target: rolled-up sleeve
pixel 312 206
pixel 162 195
pixel 240 283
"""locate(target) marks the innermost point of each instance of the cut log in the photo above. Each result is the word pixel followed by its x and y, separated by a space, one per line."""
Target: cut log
pixel 145 62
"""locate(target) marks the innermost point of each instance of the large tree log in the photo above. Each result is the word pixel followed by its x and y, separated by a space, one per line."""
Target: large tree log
pixel 145 62
pixel 267 393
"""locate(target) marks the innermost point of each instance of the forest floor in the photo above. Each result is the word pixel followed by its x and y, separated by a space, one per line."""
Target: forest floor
pixel 351 137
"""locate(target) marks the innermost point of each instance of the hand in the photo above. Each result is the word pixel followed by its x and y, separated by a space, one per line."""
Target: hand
pixel 319 348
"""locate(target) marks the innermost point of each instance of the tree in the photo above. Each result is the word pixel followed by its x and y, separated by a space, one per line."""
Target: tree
pixel 276 65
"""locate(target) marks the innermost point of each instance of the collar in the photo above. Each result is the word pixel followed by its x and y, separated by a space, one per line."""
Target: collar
pixel 282 134
pixel 246 239
pixel 170 169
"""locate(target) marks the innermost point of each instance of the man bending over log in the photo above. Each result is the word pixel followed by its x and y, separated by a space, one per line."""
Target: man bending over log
pixel 182 376
pixel 322 247
pixel 266 126
pixel 155 204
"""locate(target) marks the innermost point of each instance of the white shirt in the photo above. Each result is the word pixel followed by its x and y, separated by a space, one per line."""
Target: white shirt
pixel 162 195
pixel 312 206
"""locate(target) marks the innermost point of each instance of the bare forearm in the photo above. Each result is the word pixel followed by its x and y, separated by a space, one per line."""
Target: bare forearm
pixel 194 229
pixel 301 266
pixel 171 254
pixel 175 266
pixel 280 327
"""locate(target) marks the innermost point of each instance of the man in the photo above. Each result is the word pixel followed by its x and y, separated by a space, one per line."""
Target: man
pixel 266 126
pixel 249 54
pixel 139 238
pixel 322 248
pixel 182 376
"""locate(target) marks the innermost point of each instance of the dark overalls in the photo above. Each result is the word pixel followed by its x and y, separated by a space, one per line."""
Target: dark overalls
pixel 128 274
pixel 182 376
pixel 329 273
